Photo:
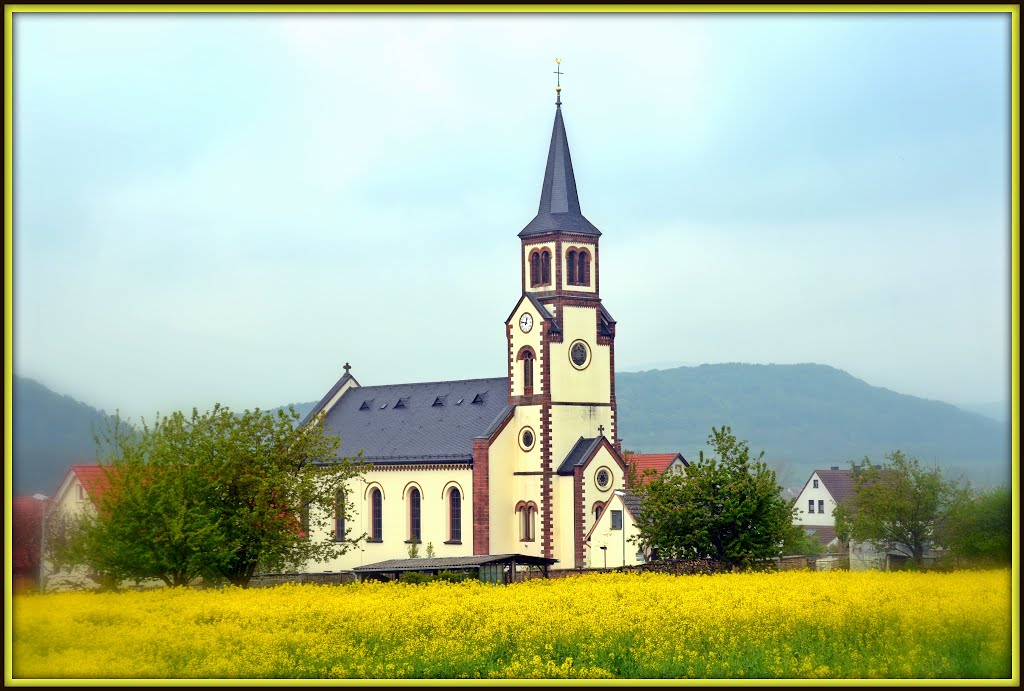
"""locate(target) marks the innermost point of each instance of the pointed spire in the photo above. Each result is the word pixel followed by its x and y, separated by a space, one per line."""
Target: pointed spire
pixel 559 202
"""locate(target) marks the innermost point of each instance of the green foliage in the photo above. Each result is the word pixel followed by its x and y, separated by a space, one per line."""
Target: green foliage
pixel 416 577
pixel 218 494
pixel 896 506
pixel 430 550
pixel 414 548
pixel 797 541
pixel 978 531
pixel 726 508
pixel 455 576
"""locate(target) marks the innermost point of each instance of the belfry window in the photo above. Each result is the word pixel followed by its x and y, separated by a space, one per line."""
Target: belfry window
pixel 572 266
pixel 535 269
pixel 583 268
pixel 545 267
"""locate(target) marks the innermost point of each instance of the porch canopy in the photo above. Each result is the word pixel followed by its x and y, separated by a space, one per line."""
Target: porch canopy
pixel 489 567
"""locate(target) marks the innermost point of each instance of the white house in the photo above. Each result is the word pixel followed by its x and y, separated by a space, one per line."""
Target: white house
pixel 817 500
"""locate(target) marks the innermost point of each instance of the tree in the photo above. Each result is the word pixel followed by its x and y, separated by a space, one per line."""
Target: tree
pixel 218 495
pixel 895 506
pixel 978 530
pixel 727 508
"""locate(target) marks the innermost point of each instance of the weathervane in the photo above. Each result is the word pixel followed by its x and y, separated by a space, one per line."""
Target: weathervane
pixel 558 82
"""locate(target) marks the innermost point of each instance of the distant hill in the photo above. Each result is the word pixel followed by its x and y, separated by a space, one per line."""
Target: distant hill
pixel 802 416
pixel 50 433
pixel 805 417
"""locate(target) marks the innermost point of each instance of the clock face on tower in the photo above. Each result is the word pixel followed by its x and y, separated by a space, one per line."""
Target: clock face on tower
pixel 526 322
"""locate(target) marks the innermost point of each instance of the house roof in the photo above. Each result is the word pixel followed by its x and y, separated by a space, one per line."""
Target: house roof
pixel 431 422
pixel 26 524
pixel 559 202
pixel 839 483
pixel 93 478
pixel 432 563
pixel 632 503
pixel 826 534
pixel 658 462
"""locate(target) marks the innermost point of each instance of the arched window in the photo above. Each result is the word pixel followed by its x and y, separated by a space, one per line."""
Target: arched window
pixel 545 267
pixel 376 515
pixel 583 271
pixel 414 515
pixel 526 514
pixel 528 372
pixel 535 269
pixel 598 509
pixel 571 262
pixel 339 517
pixel 455 515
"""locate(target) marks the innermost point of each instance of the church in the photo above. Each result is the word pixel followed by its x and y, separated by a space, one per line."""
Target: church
pixel 528 463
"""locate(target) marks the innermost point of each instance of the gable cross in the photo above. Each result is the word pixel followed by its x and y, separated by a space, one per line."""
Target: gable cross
pixel 347 367
pixel 600 430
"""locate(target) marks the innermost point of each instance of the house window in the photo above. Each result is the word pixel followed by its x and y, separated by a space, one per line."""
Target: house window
pixel 821 506
pixel 304 519
pixel 545 267
pixel 339 517
pixel 616 519
pixel 810 506
pixel 414 515
pixel 376 515
pixel 81 491
pixel 815 484
pixel 583 272
pixel 571 265
pixel 455 515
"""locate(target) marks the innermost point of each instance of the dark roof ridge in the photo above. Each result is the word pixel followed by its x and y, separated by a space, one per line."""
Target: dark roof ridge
pixel 432 383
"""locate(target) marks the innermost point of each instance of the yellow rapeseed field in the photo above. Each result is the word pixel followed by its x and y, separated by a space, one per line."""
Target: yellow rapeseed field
pixel 779 625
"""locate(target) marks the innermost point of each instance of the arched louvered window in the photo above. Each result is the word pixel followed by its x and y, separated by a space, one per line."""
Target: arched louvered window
pixel 528 370
pixel 376 515
pixel 545 267
pixel 455 515
pixel 534 269
pixel 414 515
pixel 571 264
pixel 583 271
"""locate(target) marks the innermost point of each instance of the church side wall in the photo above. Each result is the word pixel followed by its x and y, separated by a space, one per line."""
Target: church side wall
pixel 570 422
pixel 395 485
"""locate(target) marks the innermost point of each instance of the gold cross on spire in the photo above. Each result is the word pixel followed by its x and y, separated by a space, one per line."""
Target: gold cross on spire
pixel 558 81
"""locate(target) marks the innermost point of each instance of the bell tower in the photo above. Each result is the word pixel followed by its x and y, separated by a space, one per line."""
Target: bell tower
pixel 561 339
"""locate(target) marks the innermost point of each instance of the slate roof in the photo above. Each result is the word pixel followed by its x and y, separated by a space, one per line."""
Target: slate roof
pixel 579 454
pixel 436 421
pixel 839 483
pixel 559 202
pixel 452 562
pixel 632 503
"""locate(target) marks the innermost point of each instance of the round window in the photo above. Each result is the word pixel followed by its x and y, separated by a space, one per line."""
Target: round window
pixel 603 478
pixel 526 438
pixel 579 354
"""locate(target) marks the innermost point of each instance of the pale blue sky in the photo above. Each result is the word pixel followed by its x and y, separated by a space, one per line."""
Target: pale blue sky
pixel 229 207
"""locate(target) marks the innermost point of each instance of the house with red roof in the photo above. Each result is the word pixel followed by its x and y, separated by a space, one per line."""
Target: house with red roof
pixel 648 464
pixel 78 493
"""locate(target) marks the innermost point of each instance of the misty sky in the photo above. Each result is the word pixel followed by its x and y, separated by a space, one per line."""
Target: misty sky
pixel 230 207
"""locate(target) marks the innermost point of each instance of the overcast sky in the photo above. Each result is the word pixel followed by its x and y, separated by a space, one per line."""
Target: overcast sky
pixel 230 207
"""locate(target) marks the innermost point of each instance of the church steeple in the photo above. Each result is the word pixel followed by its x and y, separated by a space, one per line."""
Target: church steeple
pixel 559 203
